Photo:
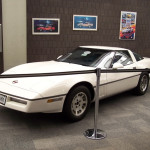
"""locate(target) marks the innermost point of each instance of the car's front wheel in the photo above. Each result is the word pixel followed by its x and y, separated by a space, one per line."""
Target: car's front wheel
pixel 77 103
pixel 142 84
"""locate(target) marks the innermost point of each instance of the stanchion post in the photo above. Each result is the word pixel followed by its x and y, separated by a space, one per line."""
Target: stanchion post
pixel 96 134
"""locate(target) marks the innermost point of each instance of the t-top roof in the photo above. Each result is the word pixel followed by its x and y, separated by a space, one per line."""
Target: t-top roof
pixel 105 48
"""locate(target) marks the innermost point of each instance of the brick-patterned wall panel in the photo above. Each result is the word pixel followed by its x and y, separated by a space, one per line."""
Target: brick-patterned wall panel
pixel 1 54
pixel 47 47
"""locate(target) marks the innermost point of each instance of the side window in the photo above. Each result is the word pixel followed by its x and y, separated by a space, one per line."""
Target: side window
pixel 106 61
pixel 137 57
pixel 122 58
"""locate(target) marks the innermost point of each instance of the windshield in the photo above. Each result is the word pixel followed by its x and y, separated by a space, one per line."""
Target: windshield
pixel 84 56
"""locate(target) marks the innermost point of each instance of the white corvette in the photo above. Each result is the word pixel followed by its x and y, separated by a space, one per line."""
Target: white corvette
pixel 72 94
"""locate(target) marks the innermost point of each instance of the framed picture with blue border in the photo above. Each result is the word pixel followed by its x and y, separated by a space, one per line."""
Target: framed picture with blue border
pixel 85 22
pixel 45 26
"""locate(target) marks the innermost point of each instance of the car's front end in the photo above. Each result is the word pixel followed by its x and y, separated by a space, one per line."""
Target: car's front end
pixel 38 94
pixel 28 101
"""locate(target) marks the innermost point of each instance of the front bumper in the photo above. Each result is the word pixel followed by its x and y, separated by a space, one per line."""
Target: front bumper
pixel 46 105
pixel 29 101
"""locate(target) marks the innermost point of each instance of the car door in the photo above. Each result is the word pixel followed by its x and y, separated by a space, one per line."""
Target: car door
pixel 104 63
pixel 119 82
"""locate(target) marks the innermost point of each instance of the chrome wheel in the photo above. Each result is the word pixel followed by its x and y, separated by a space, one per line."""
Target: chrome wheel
pixel 144 83
pixel 79 104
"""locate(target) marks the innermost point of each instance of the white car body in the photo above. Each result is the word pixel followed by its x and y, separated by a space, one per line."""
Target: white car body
pixel 47 94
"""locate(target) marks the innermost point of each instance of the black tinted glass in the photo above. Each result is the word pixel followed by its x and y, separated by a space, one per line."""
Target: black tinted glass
pixel 137 57
pixel 84 56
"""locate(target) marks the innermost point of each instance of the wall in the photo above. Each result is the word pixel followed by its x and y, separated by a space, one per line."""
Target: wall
pixel 1 53
pixel 47 47
pixel 14 32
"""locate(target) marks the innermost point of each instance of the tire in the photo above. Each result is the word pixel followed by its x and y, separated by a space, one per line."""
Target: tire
pixel 142 84
pixel 77 103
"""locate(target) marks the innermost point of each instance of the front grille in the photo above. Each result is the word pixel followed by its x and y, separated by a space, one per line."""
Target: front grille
pixel 18 101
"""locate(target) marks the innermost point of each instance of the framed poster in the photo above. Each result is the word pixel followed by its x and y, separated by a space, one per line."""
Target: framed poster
pixel 127 25
pixel 45 26
pixel 85 22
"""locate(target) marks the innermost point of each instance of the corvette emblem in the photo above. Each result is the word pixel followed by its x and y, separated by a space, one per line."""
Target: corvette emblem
pixel 15 81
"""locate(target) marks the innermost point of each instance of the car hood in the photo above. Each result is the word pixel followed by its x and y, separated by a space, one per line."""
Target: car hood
pixel 41 84
pixel 45 67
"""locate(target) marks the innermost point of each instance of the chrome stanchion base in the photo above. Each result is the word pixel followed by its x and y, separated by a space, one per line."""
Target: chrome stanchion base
pixel 98 135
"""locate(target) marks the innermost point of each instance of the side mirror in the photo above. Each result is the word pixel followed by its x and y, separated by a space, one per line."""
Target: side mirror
pixel 117 65
pixel 59 57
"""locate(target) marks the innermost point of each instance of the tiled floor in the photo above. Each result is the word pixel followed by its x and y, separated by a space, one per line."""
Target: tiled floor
pixel 125 118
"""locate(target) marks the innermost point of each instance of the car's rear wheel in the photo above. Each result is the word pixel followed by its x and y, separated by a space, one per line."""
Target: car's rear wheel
pixel 77 103
pixel 142 84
